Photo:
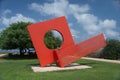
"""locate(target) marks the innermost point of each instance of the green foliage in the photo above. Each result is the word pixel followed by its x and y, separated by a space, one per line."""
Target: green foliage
pixel 112 50
pixel 51 41
pixel 15 36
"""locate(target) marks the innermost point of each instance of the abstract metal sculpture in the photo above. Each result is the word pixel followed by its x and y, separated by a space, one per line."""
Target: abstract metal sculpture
pixel 69 51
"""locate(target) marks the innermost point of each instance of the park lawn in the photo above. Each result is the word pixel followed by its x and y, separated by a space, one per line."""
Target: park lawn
pixel 21 70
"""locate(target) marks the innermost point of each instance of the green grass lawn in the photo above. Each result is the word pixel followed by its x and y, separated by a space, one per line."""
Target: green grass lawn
pixel 21 70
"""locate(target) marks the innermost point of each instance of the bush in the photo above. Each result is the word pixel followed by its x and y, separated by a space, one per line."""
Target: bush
pixel 96 54
pixel 112 50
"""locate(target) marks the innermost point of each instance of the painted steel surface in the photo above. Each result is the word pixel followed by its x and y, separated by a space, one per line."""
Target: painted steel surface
pixel 73 53
pixel 37 32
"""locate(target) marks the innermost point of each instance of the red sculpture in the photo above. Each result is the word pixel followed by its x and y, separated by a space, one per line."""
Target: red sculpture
pixel 69 51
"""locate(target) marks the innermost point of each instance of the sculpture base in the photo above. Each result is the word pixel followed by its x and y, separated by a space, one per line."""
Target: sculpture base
pixel 53 67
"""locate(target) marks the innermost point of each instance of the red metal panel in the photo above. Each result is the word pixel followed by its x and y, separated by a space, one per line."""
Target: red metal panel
pixel 68 52
pixel 37 32
pixel 73 53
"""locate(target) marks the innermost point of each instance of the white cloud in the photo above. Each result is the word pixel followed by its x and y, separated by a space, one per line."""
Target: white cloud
pixel 50 9
pixel 58 8
pixel 79 9
pixel 93 25
pixel 86 18
pixel 112 33
pixel 89 22
pixel 70 24
pixel 17 18
pixel 108 24
pixel 7 11
pixel 74 33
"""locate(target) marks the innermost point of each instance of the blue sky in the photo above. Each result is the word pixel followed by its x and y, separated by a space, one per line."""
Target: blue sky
pixel 86 18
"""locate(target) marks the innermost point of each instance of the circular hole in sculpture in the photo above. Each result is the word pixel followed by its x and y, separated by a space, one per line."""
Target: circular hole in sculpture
pixel 53 39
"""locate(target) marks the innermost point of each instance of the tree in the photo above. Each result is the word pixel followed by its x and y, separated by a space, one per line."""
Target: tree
pixel 112 50
pixel 51 41
pixel 16 37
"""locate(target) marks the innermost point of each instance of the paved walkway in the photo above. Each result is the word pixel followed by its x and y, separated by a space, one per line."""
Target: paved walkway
pixel 104 60
pixel 2 55
pixel 53 67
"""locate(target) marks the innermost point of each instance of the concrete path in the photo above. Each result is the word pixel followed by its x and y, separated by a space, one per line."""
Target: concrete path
pixel 2 55
pixel 104 60
pixel 53 67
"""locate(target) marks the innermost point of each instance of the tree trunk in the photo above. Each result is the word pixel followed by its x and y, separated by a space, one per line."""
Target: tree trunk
pixel 21 52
